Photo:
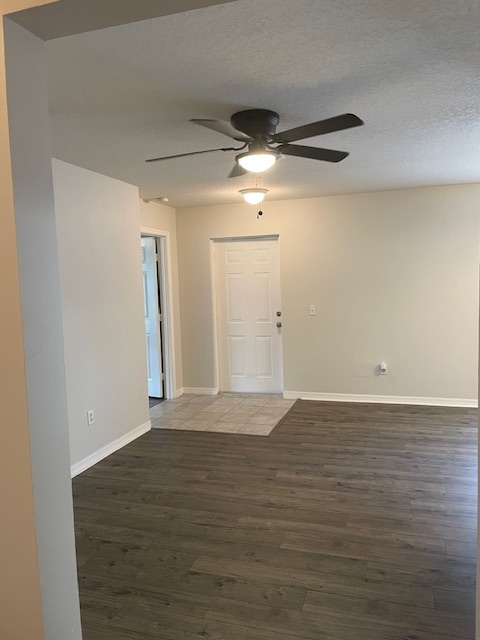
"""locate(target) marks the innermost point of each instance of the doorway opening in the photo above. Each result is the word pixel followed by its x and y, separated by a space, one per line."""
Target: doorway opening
pixel 248 314
pixel 152 308
pixel 158 315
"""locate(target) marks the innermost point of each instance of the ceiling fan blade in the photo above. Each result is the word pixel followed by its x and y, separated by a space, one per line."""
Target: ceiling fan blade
pixel 313 153
pixel 192 153
pixel 237 171
pixel 338 123
pixel 224 128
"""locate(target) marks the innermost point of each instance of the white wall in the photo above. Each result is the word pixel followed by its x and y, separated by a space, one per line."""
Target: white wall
pixel 159 217
pixel 394 277
pixel 42 330
pixel 102 300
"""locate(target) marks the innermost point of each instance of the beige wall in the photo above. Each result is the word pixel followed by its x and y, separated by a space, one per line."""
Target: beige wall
pixel 394 277
pixel 37 544
pixel 20 603
pixel 102 301
pixel 160 217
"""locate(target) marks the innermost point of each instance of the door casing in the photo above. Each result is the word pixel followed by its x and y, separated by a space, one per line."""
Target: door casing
pixel 166 303
pixel 153 316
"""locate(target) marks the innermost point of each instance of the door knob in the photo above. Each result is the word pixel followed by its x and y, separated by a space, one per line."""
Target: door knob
pixel 279 325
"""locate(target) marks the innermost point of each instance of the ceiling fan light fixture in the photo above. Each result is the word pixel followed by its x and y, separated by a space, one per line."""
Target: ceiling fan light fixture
pixel 257 162
pixel 253 196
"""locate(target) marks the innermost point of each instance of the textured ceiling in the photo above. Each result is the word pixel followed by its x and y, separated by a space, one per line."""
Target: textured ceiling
pixel 409 69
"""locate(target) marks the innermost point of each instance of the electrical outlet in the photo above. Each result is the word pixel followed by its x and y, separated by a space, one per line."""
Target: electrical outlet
pixel 313 311
pixel 90 417
pixel 382 367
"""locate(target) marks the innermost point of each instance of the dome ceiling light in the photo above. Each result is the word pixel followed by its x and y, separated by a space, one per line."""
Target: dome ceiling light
pixel 258 158
pixel 253 196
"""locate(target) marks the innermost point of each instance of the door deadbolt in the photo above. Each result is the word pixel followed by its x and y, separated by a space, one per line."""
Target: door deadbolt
pixel 279 313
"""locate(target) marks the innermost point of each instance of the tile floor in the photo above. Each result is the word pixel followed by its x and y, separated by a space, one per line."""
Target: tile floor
pixel 253 414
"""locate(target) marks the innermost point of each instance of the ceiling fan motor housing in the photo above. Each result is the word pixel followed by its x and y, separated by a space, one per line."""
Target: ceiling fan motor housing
pixel 257 123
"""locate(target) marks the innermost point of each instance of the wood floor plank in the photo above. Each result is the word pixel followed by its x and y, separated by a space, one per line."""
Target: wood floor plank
pixel 386 613
pixel 98 611
pixel 221 513
pixel 464 530
pixel 152 585
pixel 156 526
pixel 363 479
pixel 114 590
pixel 354 547
pixel 348 522
pixel 132 562
pixel 327 582
pixel 362 535
pixel 173 627
pixel 452 578
pixel 102 505
pixel 95 632
pixel 86 514
pixel 312 625
pixel 251 553
pixel 455 601
pixel 463 549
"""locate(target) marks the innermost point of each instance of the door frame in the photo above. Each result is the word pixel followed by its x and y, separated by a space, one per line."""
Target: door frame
pixel 213 288
pixel 167 328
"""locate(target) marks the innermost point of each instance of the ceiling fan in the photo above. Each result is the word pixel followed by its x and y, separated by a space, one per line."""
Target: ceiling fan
pixel 256 129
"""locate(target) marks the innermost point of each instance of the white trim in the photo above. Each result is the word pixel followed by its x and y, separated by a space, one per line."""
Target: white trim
pixel 201 391
pixel 167 312
pixel 93 458
pixel 150 231
pixel 269 236
pixel 178 393
pixel 213 289
pixel 166 289
pixel 352 397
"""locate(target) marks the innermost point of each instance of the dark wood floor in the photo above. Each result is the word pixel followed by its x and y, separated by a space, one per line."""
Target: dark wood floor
pixel 349 522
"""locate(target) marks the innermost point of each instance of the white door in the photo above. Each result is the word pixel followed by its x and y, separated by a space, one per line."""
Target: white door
pixel 152 318
pixel 248 304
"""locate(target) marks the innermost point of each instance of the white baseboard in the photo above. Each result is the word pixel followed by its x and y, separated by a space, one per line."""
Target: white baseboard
pixel 178 393
pixel 201 391
pixel 93 458
pixel 352 397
